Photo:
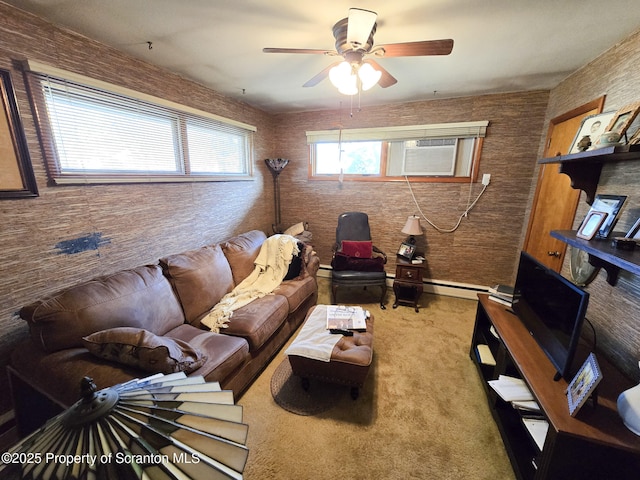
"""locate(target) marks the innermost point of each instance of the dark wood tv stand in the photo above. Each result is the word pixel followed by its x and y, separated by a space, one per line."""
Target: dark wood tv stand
pixel 593 445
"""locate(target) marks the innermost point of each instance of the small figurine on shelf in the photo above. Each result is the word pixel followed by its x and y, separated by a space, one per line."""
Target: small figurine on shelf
pixel 584 143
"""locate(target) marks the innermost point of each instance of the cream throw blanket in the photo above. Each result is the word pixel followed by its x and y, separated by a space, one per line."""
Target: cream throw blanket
pixel 271 266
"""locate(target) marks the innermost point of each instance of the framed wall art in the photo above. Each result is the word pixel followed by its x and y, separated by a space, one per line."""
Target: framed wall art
pixel 16 173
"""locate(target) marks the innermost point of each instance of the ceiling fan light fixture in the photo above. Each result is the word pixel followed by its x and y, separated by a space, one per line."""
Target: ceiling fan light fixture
pixel 344 79
pixel 369 76
pixel 350 86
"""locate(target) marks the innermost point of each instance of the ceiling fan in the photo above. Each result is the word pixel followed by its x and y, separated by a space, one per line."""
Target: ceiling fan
pixel 354 42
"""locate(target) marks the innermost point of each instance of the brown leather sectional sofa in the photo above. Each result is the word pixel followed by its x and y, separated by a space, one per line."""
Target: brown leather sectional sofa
pixel 167 299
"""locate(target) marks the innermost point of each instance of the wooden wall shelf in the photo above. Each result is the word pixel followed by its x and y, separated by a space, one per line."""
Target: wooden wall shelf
pixel 584 168
pixel 603 255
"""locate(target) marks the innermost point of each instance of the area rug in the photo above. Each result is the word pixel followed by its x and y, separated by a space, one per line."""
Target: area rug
pixel 287 392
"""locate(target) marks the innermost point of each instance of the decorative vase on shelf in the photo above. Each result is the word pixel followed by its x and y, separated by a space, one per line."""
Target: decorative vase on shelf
pixel 629 408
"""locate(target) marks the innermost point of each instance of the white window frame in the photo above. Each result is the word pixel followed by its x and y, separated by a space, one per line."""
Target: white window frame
pixel 229 136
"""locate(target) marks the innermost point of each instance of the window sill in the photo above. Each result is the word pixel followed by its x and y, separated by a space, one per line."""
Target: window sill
pixel 122 179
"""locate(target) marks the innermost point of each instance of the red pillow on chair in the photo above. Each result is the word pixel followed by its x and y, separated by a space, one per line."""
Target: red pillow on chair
pixel 357 249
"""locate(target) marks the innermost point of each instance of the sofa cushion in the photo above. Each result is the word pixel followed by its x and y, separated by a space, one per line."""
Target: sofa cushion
pixel 200 277
pixel 297 291
pixel 144 350
pixel 342 262
pixel 225 353
pixel 241 251
pixel 141 297
pixel 259 320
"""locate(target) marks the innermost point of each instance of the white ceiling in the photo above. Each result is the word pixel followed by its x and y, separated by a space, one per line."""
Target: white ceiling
pixel 500 45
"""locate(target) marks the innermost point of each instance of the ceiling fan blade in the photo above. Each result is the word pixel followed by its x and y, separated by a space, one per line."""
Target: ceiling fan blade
pixel 320 76
pixel 298 50
pixel 416 49
pixel 360 26
pixel 386 80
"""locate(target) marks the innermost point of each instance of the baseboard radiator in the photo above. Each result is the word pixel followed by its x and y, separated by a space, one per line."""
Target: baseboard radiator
pixel 432 286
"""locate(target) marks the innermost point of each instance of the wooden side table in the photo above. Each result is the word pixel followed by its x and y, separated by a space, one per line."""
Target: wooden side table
pixel 407 285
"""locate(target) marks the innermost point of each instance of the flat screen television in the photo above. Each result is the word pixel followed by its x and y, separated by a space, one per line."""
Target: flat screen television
pixel 553 310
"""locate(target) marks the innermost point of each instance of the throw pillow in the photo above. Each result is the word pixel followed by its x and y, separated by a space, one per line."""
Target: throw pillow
pixel 294 230
pixel 357 249
pixel 144 350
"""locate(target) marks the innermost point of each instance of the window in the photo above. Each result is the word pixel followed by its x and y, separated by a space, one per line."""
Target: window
pixel 357 158
pixel 92 134
pixel 439 152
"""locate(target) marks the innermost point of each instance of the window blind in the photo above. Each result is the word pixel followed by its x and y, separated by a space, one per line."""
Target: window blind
pixel 90 134
pixel 391 134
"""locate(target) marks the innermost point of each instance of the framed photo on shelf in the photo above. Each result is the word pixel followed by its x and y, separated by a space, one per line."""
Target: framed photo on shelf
pixel 635 138
pixel 593 126
pixel 591 224
pixel 634 232
pixel 407 250
pixel 611 205
pixel 583 384
pixel 623 118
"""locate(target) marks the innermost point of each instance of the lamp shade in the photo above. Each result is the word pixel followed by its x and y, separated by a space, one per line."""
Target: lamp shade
pixel 369 76
pixel 412 227
pixel 344 78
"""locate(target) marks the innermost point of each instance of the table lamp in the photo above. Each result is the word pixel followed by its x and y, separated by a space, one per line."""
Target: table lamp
pixel 412 228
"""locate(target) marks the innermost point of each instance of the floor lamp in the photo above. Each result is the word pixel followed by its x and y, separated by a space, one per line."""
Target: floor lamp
pixel 276 165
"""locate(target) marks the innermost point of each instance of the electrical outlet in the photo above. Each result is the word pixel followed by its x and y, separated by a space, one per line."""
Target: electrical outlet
pixel 486 178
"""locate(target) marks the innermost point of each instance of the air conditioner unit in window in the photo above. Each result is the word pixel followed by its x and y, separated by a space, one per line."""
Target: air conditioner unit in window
pixel 430 156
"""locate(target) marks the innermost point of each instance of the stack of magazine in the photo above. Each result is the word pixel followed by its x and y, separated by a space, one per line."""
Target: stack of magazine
pixel 516 392
pixel 502 294
pixel 341 317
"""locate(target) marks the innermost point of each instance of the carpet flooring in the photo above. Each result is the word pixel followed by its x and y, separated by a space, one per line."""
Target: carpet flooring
pixel 422 413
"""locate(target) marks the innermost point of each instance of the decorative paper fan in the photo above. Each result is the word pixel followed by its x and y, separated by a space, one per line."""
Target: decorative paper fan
pixel 160 427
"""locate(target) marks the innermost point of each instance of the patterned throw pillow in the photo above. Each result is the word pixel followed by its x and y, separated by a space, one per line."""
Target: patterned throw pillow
pixel 144 350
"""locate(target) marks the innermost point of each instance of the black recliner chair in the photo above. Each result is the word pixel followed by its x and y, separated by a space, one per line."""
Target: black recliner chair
pixel 356 261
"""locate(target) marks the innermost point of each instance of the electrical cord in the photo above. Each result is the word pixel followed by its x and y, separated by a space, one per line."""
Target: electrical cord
pixel 595 337
pixel 464 214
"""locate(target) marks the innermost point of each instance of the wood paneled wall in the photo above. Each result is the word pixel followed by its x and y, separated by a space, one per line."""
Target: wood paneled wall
pixel 614 311
pixel 483 250
pixel 129 225
pixel 136 224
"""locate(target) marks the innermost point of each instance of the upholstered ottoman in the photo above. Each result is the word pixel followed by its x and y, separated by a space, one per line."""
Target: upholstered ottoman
pixel 345 360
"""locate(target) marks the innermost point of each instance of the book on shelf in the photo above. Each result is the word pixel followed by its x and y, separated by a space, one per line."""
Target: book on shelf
pixel 537 428
pixel 502 290
pixel 492 331
pixel 342 317
pixel 499 300
pixel 511 389
pixel 484 355
pixel 526 406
